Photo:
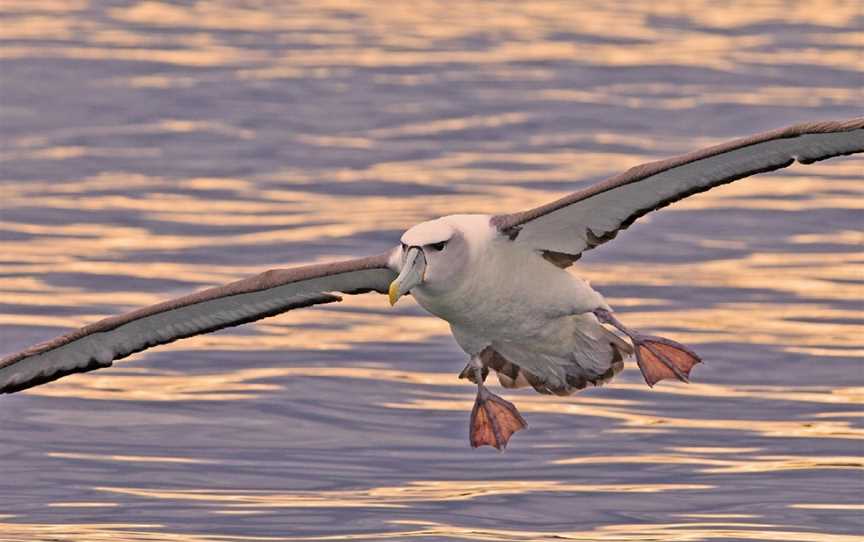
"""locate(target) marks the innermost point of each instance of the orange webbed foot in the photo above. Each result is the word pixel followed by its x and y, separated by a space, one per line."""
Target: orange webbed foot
pixel 493 420
pixel 659 358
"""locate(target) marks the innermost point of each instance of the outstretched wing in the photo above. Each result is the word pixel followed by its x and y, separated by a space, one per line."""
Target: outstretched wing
pixel 99 344
pixel 565 228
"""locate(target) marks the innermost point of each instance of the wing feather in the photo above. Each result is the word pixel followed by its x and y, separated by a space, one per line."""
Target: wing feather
pixel 273 292
pixel 563 229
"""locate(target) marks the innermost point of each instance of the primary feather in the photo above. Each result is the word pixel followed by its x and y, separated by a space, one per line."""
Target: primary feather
pixel 273 292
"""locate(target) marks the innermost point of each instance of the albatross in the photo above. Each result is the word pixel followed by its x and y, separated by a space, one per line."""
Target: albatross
pixel 501 282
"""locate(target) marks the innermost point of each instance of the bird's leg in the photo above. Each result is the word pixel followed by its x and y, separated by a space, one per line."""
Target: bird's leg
pixel 470 373
pixel 658 358
pixel 493 420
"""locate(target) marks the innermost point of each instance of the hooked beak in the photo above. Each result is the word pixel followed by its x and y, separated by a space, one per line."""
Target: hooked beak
pixel 413 272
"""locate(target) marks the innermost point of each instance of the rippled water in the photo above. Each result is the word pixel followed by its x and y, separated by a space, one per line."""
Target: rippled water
pixel 150 149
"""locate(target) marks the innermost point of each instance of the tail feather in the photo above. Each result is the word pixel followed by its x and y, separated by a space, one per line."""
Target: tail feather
pixel 573 377
pixel 597 356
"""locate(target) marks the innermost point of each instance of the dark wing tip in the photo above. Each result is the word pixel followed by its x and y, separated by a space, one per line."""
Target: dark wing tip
pixel 50 377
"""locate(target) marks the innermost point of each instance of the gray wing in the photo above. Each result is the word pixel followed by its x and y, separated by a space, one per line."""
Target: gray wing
pixel 99 344
pixel 565 228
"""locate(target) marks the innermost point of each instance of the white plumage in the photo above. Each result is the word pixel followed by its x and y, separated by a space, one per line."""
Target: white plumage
pixel 506 295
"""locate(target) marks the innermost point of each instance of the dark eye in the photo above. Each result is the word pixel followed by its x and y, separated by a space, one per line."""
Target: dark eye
pixel 438 246
pixel 404 247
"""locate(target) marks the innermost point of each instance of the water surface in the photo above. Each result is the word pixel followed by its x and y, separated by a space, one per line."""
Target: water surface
pixel 150 149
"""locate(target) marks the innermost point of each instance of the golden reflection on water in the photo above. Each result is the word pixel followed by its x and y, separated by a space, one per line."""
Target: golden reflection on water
pixel 306 216
pixel 424 529
pixel 69 532
pixel 125 458
pixel 640 420
pixel 671 532
pixel 686 97
pixel 828 506
pixel 809 285
pixel 160 385
pixel 726 466
pixel 392 496
pixel 531 26
pixel 82 504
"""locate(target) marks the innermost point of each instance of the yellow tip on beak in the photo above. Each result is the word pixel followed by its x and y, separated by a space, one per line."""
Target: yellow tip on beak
pixel 412 273
pixel 393 293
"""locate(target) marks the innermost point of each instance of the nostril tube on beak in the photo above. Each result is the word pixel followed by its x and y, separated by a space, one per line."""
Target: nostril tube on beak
pixel 412 273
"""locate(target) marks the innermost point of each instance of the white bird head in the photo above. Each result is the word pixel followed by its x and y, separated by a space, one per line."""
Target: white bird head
pixel 433 254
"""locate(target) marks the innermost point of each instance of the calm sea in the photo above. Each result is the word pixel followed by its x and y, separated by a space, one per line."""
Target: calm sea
pixel 154 148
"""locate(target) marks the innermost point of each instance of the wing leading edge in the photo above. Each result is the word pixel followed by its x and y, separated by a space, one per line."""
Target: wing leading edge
pixel 273 292
pixel 565 228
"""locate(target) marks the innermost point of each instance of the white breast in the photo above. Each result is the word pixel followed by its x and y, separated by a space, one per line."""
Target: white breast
pixel 510 292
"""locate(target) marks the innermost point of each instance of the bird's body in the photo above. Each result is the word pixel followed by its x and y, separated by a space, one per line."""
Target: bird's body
pixel 547 329
pixel 501 282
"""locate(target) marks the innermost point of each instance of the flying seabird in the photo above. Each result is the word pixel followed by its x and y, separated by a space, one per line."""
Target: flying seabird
pixel 499 281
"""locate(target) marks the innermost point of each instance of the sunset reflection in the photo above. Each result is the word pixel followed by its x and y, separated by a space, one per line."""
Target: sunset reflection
pixel 639 420
pixel 400 496
pixel 155 148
